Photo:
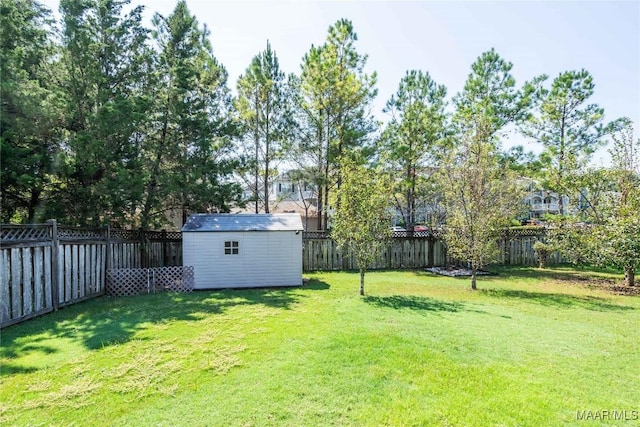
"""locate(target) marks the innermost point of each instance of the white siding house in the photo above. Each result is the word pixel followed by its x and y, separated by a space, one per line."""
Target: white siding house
pixel 243 251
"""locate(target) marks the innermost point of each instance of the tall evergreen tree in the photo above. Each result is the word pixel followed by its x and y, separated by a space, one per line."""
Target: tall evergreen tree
pixel 334 96
pixel 103 58
pixel 188 148
pixel 417 126
pixel 569 129
pixel 263 104
pixel 29 110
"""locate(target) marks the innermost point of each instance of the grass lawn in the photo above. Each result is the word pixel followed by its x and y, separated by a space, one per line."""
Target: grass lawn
pixel 530 348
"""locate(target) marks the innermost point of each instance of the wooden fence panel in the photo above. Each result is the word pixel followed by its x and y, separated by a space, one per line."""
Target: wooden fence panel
pixel 67 270
pixel 48 283
pixel 5 294
pixel 16 282
pixel 75 276
pixel 38 279
pixel 27 283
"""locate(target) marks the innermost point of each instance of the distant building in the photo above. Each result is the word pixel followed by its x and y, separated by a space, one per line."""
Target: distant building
pixel 541 202
pixel 286 195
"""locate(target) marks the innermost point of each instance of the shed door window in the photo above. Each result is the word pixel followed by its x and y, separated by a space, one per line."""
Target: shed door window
pixel 231 247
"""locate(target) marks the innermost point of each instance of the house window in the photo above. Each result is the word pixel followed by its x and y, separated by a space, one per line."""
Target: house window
pixel 231 247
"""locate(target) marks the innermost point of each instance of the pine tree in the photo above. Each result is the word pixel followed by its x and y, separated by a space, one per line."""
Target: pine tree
pixel 334 96
pixel 569 129
pixel 411 139
pixel 188 147
pixel 30 110
pixel 263 104
pixel 103 58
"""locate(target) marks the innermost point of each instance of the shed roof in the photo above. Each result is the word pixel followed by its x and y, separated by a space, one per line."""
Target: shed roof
pixel 244 222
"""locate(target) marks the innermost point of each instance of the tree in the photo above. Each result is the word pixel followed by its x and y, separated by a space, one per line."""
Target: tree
pixel 334 94
pixel 612 199
pixel 623 226
pixel 417 126
pixel 103 58
pixel 481 195
pixel 29 112
pixel 490 100
pixel 569 130
pixel 264 106
pixel 362 222
pixel 188 148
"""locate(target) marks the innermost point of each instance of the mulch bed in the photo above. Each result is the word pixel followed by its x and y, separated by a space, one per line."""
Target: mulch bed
pixel 456 271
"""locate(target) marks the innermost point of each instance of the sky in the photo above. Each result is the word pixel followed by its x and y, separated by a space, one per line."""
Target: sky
pixel 441 37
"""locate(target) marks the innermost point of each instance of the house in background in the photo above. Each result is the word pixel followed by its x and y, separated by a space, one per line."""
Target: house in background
pixel 540 202
pixel 286 195
pixel 243 250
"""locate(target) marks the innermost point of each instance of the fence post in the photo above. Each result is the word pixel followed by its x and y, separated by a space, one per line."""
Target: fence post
pixel 431 249
pixel 143 249
pixel 107 258
pixel 55 254
pixel 164 248
pixel 506 248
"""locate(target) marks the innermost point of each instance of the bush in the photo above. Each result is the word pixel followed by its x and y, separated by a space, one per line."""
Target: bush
pixel 542 251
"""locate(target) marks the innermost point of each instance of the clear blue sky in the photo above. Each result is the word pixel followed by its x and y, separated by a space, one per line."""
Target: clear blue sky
pixel 443 38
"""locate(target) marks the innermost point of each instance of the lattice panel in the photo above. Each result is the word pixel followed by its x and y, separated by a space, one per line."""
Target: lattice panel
pixel 135 281
pixel 315 235
pixel 78 233
pixel 138 236
pixel 125 235
pixel 526 231
pixel 396 234
pixel 10 233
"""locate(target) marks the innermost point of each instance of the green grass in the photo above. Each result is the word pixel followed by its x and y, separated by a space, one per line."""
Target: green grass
pixel 527 349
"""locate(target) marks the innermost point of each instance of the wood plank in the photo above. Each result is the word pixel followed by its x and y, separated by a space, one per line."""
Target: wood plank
pixel 27 282
pixel 38 279
pixel 66 295
pixel 74 272
pixel 92 269
pixel 48 279
pixel 5 294
pixel 82 272
pixel 16 283
pixel 101 263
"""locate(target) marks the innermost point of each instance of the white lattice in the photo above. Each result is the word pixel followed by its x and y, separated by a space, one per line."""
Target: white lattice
pixel 135 281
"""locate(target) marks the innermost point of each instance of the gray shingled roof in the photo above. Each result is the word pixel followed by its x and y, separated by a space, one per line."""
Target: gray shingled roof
pixel 244 222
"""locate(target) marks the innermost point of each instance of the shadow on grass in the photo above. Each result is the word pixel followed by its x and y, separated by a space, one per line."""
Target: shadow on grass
pixel 557 300
pixel 109 321
pixel 413 303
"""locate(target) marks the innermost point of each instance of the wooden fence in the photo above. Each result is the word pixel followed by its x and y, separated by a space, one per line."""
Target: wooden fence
pixel 44 267
pixel 418 250
pixel 403 252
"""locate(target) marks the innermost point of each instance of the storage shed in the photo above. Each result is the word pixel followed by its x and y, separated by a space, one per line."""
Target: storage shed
pixel 243 250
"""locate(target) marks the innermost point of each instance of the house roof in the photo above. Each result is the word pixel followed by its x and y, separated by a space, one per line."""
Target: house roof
pixel 244 222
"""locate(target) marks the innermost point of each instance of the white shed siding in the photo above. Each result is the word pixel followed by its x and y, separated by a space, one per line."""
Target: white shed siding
pixel 265 258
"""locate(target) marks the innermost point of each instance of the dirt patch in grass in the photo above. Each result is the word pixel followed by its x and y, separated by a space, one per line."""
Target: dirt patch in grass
pixel 613 286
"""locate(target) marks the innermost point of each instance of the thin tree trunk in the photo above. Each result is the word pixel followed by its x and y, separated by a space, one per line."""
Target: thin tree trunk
pixel 362 281
pixel 474 272
pixel 267 157
pixel 629 276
